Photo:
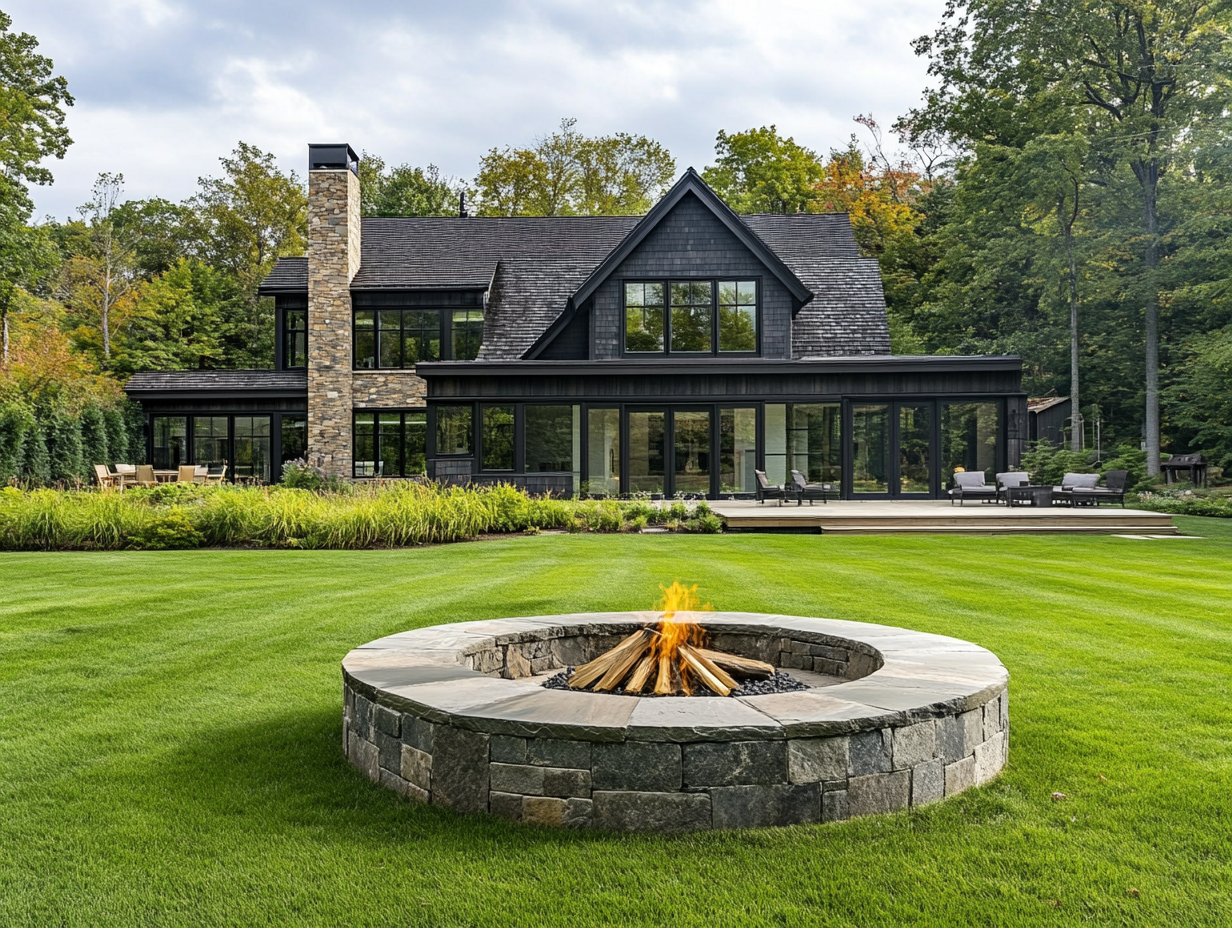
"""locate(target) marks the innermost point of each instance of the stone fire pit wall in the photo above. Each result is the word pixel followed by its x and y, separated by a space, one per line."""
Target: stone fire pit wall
pixel 447 715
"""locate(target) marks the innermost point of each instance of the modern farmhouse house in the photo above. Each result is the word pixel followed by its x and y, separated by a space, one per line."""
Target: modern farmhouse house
pixel 674 352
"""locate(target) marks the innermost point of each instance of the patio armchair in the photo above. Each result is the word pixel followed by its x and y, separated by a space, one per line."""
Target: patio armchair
pixel 145 476
pixel 187 474
pixel 216 475
pixel 970 485
pixel 1113 489
pixel 767 490
pixel 1013 478
pixel 106 479
pixel 1071 482
pixel 810 491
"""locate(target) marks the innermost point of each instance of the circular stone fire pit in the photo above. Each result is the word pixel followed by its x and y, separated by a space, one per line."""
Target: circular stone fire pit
pixel 457 715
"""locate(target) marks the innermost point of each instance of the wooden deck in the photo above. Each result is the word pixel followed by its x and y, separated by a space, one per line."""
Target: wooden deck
pixel 932 517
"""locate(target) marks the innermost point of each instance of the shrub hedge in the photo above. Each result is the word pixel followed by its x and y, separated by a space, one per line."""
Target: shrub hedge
pixel 397 515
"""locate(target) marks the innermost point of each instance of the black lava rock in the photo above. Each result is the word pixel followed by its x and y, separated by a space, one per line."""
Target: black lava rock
pixel 780 683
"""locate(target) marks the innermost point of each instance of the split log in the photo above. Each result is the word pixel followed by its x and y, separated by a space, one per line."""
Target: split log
pixel 620 669
pixel 721 675
pixel 698 667
pixel 641 674
pixel 745 666
pixel 666 682
pixel 635 644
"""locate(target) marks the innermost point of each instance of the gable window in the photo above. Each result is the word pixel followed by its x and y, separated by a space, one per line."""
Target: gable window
pixel 402 338
pixel 294 338
pixel 691 317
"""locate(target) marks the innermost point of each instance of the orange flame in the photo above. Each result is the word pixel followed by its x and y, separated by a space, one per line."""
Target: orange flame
pixel 672 633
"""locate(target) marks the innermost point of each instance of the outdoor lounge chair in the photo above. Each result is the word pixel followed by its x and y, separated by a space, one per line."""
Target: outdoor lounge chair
pixel 1014 478
pixel 767 490
pixel 804 490
pixel 106 479
pixel 145 476
pixel 970 485
pixel 1071 482
pixel 1113 490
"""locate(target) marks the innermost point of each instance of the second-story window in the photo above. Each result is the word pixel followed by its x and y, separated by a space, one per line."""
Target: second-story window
pixel 294 338
pixel 691 317
pixel 403 337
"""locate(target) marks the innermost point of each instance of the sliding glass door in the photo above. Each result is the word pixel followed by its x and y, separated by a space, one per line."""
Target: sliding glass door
pixel 691 438
pixel 893 451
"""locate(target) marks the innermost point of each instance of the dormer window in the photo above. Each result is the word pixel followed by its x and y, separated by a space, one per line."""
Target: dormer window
pixel 691 317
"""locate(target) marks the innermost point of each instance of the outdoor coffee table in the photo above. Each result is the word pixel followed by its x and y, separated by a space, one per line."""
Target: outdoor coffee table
pixel 1029 496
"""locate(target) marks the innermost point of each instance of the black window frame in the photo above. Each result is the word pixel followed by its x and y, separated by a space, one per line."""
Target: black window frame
pixel 445 332
pixel 714 350
pixel 378 458
pixel 290 335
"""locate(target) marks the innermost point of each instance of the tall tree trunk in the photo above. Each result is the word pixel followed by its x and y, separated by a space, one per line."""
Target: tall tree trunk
pixel 5 314
pixel 1148 176
pixel 1076 432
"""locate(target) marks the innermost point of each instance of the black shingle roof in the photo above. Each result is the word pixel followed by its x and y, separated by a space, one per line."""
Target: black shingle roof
pixel 532 266
pixel 146 383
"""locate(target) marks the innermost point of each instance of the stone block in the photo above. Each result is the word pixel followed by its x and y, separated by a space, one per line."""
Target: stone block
pixel 568 652
pixel 914 744
pixel 417 733
pixel 490 662
pixel 765 806
pixel 636 765
pixel 516 778
pixel 879 793
pixel 989 758
pixel 387 721
pixel 517 667
pixel 959 776
pixel 365 757
pixel 927 782
pixel 389 750
pixel 542 664
pixel 346 735
pixel 811 760
pixel 361 721
pixel 870 752
pixel 544 810
pixel 460 769
pixel 651 811
pixel 972 729
pixel 553 752
pixel 735 763
pixel 579 813
pixel 992 718
pixel 505 805
pixel 396 783
pixel 950 739
pixel 1005 710
pixel 566 783
pixel 416 767
pixel 790 661
pixel 834 805
pixel 506 749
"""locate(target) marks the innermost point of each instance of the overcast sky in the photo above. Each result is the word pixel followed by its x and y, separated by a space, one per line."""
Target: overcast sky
pixel 165 87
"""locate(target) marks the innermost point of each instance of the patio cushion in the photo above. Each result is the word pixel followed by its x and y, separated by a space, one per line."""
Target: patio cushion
pixel 971 480
pixel 1014 478
pixel 1080 481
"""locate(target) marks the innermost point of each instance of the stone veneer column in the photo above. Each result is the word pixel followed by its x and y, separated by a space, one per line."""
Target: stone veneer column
pixel 333 261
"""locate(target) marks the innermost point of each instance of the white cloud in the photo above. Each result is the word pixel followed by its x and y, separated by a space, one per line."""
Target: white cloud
pixel 165 87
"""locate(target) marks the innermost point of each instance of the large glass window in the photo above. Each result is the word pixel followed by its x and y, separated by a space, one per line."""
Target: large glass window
pixel 170 442
pixel 390 444
pixel 467 334
pixel 647 450
pixel 498 438
pixel 294 338
pixel 804 437
pixel 453 429
pixel 692 305
pixel 252 448
pixel 421 338
pixel 210 444
pixel 686 322
pixel 870 447
pixel 603 451
pixel 968 439
pixel 294 438
pixel 691 450
pixel 914 443
pixel 737 315
pixel 551 439
pixel 389 338
pixel 644 317
pixel 364 340
pixel 737 450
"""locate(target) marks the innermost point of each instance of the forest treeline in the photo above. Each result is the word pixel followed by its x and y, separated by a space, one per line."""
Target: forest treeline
pixel 1061 193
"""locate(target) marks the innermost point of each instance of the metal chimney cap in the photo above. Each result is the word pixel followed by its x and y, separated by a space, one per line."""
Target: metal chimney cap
pixel 332 156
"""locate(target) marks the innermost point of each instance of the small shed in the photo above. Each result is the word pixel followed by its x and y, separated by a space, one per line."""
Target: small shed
pixel 1047 419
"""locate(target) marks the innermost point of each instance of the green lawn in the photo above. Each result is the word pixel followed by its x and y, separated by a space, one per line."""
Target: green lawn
pixel 170 727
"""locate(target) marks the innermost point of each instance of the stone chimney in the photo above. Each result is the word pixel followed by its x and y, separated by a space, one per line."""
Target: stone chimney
pixel 333 261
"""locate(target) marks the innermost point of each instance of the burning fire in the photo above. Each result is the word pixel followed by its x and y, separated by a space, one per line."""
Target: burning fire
pixel 673 654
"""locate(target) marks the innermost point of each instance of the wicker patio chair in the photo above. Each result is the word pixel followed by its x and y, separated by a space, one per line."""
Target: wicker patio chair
pixel 106 479
pixel 145 476
pixel 187 474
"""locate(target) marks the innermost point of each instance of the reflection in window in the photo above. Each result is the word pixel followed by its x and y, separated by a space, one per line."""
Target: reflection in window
pixel 737 315
pixel 550 439
pixel 170 442
pixel 870 449
pixel 691 316
pixel 914 442
pixel 603 454
pixel 737 450
pixel 364 339
pixel 421 336
pixel 647 436
pixel 497 437
pixel 294 338
pixel 968 439
pixel 691 451
pixel 390 444
pixel 210 445
pixel 467 334
pixel 294 438
pixel 364 460
pixel 453 429
pixel 644 317
pixel 252 448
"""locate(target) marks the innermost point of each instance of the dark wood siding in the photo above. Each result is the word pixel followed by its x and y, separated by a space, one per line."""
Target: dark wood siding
pixel 691 242
pixel 572 342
